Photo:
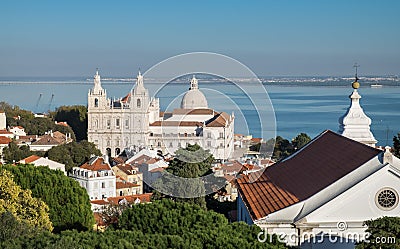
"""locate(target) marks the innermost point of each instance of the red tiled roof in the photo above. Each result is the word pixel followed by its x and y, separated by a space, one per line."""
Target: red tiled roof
pixel 256 140
pixel 127 168
pixel 126 98
pixel 141 159
pixel 62 124
pixel 326 159
pixel 125 184
pixel 5 140
pixel 96 164
pixel 267 161
pixel 176 123
pixel 131 198
pixel 219 120
pixel 31 159
pixel 99 202
pixel 231 167
pixel 5 132
pixel 159 169
pixel 202 111
pixel 48 139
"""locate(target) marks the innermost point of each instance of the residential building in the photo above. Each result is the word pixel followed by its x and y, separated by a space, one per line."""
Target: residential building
pixel 43 161
pixel 17 131
pixel 49 140
pixel 131 180
pixel 97 177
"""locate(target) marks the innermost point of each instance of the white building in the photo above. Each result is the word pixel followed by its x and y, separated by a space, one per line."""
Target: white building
pixel 135 120
pixel 18 131
pixel 43 161
pixel 3 120
pixel 97 177
pixel 326 190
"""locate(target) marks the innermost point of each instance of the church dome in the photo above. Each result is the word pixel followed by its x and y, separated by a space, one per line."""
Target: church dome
pixel 194 98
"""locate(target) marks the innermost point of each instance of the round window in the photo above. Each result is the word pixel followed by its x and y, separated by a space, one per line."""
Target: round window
pixel 387 199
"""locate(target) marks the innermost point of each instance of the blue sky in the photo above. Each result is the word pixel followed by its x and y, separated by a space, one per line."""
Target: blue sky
pixel 72 38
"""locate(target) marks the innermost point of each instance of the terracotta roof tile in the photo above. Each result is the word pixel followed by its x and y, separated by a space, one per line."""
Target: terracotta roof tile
pixel 131 198
pixel 201 111
pixel 31 159
pixel 176 123
pixel 125 184
pixel 219 120
pixel 5 132
pixel 96 164
pixel 323 161
pixel 5 140
pixel 127 169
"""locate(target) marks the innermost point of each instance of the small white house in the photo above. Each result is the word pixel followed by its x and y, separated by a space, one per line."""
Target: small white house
pixel 18 131
pixel 43 161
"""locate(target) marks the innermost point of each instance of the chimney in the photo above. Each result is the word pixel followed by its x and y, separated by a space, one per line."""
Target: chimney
pixel 387 155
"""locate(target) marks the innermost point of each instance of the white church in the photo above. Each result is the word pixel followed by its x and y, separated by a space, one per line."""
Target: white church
pixel 136 120
pixel 320 196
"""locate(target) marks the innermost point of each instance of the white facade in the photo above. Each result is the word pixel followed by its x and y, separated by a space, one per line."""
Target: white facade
pixel 135 121
pixel 3 120
pixel 18 130
pixel 44 161
pixel 117 124
pixel 97 177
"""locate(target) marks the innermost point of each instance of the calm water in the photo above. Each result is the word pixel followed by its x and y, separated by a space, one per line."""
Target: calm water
pixel 309 108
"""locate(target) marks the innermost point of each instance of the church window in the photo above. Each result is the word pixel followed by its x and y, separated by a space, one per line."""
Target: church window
pixel 387 199
pixel 108 124
pixel 103 185
pixel 127 123
pixel 159 144
pixel 117 123
pixel 138 103
pixel 96 124
pixel 96 102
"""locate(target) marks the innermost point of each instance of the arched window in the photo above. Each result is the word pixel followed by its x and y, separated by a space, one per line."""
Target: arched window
pixel 138 103
pixel 96 102
pixel 117 151
pixel 108 152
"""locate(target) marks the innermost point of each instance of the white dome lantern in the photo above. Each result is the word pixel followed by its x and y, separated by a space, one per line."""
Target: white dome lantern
pixel 194 98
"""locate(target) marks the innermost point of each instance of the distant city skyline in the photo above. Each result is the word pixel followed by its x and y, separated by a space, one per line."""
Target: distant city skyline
pixel 281 38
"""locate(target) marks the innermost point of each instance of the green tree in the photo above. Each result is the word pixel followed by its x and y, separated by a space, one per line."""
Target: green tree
pixel 76 117
pixel 73 154
pixel 14 153
pixel 300 140
pixel 69 204
pixel 191 162
pixel 396 145
pixel 21 204
pixel 385 227
pixel 11 228
pixel 283 148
